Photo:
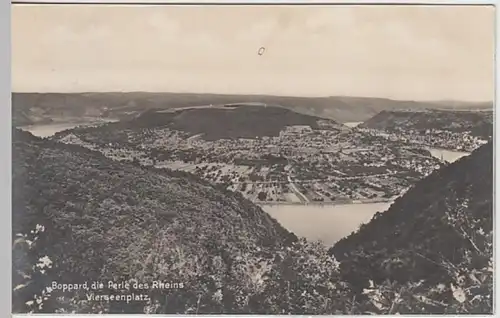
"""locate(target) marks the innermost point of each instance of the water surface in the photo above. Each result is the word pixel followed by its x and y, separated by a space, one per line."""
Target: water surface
pixel 47 130
pixel 327 223
pixel 353 124
pixel 448 155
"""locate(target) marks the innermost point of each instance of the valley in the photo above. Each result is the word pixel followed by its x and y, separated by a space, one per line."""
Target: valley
pixel 307 160
pixel 326 220
pixel 185 221
pixel 32 108
pixel 305 183
pixel 309 178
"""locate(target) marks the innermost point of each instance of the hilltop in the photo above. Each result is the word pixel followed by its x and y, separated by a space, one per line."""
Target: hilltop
pixel 477 123
pixel 439 232
pixel 225 123
pixel 30 108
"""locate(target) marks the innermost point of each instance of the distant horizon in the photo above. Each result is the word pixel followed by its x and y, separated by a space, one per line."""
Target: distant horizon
pixel 418 53
pixel 260 94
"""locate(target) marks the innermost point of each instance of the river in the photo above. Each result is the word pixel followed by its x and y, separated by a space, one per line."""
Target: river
pixel 448 155
pixel 47 130
pixel 329 223
pixel 326 223
pixel 353 124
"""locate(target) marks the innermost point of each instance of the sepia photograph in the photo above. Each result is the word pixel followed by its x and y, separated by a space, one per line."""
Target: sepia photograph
pixel 271 159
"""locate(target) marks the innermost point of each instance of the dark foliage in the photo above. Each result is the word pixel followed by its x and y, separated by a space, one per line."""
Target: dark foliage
pixel 435 222
pixel 106 220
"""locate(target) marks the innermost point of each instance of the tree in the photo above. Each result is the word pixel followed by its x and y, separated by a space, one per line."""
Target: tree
pixel 262 196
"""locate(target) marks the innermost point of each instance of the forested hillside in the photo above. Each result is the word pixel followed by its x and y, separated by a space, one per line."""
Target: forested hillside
pixel 477 123
pixel 439 232
pixel 105 220
pixel 80 217
pixel 218 123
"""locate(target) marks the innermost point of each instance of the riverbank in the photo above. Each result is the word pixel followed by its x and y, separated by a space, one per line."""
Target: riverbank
pixel 329 203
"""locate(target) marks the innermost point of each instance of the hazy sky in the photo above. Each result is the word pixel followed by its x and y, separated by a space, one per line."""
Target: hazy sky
pixel 412 52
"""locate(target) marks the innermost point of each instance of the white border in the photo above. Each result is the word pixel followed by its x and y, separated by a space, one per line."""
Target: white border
pixel 301 2
pixel 6 161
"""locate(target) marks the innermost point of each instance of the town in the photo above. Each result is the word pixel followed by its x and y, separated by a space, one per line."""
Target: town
pixel 300 166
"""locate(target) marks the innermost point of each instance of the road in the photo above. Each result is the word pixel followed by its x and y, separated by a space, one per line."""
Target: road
pixel 296 190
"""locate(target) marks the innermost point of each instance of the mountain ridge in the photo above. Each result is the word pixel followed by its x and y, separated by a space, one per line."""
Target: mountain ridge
pixel 30 108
